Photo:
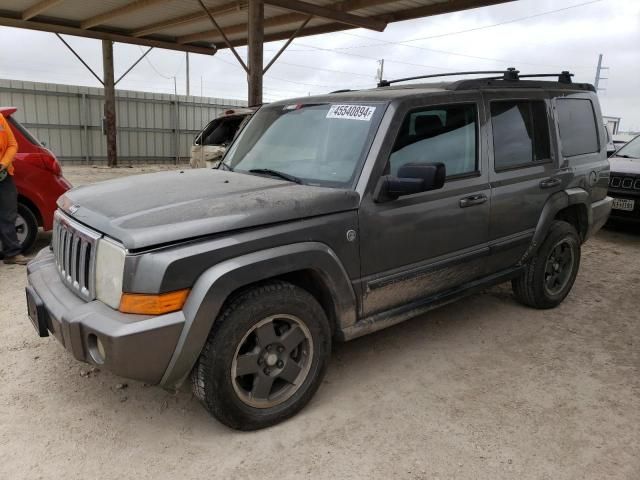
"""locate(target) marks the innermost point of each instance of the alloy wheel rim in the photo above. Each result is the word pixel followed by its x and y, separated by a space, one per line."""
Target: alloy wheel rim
pixel 559 267
pixel 272 361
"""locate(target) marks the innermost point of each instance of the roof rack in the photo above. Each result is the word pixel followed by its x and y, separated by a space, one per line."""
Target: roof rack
pixel 510 74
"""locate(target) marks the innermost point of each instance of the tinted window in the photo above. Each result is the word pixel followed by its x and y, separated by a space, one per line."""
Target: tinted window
pixel 577 122
pixel 520 133
pixel 445 134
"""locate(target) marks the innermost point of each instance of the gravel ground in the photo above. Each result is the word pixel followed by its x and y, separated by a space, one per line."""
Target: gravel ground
pixel 480 389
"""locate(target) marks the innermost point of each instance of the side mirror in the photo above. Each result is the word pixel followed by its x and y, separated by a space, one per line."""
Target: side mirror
pixel 412 178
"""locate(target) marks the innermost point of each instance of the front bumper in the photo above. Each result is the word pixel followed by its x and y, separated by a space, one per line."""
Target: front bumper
pixel 626 215
pixel 134 346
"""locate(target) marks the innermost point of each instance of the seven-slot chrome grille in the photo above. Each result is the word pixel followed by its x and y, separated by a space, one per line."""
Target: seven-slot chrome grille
pixel 74 248
pixel 624 182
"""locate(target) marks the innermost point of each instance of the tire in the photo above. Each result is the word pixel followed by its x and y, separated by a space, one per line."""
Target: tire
pixel 27 227
pixel 272 332
pixel 550 274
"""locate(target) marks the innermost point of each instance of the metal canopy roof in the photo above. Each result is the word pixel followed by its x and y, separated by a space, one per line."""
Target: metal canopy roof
pixel 183 25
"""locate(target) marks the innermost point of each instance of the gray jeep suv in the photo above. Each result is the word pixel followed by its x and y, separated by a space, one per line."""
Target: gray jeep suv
pixel 330 217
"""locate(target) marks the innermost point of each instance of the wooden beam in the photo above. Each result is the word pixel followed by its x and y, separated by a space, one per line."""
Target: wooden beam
pixel 287 43
pixel 277 21
pixel 226 40
pixel 439 8
pixel 109 103
pixel 241 28
pixel 103 35
pixel 118 12
pixel 186 19
pixel 38 8
pixel 255 52
pixel 330 13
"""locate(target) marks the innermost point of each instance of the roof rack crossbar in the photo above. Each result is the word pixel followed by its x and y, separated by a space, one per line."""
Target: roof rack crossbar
pixel 510 74
pixel 563 77
pixel 386 83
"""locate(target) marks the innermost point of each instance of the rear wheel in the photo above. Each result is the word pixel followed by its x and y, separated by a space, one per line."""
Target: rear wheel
pixel 265 357
pixel 549 276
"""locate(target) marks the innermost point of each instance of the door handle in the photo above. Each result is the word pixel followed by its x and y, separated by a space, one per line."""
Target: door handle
pixel 473 200
pixel 550 182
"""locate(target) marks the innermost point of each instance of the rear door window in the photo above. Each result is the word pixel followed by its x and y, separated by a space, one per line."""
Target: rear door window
pixel 577 124
pixel 520 133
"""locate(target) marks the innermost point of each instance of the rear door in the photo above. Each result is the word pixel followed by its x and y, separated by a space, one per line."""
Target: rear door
pixel 523 171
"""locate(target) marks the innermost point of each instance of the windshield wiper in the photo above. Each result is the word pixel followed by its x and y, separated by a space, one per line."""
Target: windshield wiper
pixel 276 173
pixel 627 156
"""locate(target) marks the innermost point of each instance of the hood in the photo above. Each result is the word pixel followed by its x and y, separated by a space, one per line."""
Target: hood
pixel 624 165
pixel 152 209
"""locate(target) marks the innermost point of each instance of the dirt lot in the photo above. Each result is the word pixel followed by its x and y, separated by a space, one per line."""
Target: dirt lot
pixel 480 389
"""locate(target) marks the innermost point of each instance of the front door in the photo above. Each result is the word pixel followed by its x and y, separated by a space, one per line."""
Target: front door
pixel 419 245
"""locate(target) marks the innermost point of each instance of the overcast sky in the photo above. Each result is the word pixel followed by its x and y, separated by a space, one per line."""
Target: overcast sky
pixel 568 39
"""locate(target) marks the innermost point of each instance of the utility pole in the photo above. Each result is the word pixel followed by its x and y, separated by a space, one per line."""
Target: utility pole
pixel 599 76
pixel 380 73
pixel 187 73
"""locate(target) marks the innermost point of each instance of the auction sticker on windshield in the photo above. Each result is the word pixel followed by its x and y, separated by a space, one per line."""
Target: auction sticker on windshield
pixel 351 112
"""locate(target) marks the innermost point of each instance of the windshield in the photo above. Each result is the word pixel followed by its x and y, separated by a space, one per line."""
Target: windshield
pixel 631 149
pixel 318 144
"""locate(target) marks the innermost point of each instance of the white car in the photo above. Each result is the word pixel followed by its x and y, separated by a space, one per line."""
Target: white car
pixel 210 144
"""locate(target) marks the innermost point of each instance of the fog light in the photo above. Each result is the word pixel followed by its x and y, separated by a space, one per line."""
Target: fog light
pixel 96 349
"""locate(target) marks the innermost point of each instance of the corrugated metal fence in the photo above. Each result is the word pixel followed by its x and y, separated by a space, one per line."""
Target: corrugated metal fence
pixel 152 127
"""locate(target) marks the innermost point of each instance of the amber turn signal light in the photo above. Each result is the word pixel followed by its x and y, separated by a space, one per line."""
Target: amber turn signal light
pixel 144 304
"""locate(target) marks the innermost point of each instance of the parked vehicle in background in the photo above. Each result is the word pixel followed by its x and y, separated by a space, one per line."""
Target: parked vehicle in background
pixel 624 183
pixel 211 143
pixel 38 178
pixel 621 139
pixel 330 217
pixel 611 148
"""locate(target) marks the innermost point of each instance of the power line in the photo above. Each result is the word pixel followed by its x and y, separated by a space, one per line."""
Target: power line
pixel 323 69
pixel 157 71
pixel 403 42
pixel 283 79
pixel 446 52
pixel 374 58
pixel 519 19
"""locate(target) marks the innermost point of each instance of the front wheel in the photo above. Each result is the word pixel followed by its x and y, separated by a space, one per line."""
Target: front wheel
pixel 550 274
pixel 265 357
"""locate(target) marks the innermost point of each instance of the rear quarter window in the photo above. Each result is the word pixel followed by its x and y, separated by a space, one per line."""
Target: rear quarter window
pixel 578 128
pixel 25 133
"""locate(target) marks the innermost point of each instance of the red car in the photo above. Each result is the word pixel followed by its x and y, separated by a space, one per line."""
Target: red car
pixel 39 180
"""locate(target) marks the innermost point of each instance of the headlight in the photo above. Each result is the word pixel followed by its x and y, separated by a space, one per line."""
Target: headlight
pixel 109 272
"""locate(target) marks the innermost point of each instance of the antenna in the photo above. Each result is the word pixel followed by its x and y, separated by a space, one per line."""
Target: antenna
pixel 599 76
pixel 380 72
